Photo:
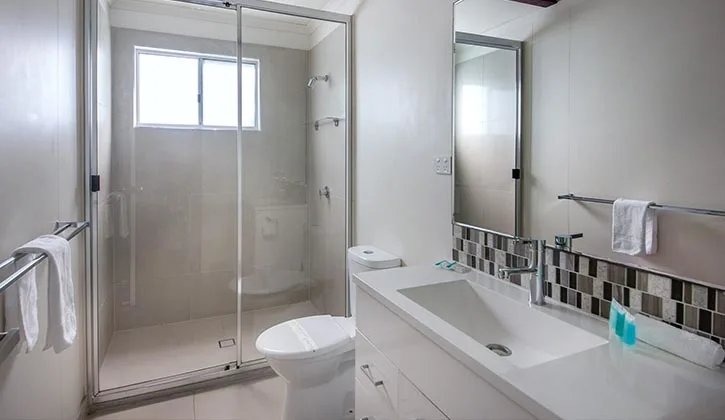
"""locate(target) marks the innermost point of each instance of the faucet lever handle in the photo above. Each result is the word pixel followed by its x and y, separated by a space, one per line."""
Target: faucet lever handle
pixel 565 241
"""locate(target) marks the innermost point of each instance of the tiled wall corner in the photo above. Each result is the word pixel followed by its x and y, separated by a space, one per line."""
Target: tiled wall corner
pixel 590 284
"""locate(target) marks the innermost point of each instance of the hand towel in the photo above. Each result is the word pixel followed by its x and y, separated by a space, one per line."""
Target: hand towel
pixel 21 304
pixel 61 295
pixel 634 227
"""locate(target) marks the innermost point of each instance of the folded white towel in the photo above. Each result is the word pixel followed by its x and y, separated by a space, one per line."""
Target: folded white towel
pixel 21 304
pixel 61 295
pixel 634 227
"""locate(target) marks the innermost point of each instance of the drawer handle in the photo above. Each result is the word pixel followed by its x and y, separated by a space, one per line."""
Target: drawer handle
pixel 366 370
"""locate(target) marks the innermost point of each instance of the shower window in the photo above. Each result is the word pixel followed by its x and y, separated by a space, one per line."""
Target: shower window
pixel 188 90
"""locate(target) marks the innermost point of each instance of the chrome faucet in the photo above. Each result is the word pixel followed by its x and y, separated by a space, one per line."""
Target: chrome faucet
pixel 537 294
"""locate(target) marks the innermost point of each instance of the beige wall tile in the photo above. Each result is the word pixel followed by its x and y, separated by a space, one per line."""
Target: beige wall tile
pixel 216 216
pixel 327 167
pixel 158 301
pixel 186 183
pixel 213 294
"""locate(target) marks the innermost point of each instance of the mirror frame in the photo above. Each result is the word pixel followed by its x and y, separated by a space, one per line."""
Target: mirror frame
pixel 503 44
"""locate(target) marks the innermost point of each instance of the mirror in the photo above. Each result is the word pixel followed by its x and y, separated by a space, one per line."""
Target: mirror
pixel 487 131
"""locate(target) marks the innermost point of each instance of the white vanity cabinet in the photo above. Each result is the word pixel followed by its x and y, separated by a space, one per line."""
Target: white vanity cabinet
pixel 382 392
pixel 402 375
pixel 413 404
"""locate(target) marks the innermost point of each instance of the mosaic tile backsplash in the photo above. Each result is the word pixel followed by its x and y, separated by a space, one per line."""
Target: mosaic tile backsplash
pixel 590 284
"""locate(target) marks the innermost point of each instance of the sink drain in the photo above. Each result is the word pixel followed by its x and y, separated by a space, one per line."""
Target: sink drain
pixel 499 349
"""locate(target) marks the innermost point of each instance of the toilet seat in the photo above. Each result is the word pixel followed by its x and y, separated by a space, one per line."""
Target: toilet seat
pixel 308 337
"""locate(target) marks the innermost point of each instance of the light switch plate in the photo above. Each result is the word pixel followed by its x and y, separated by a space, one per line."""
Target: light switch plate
pixel 442 165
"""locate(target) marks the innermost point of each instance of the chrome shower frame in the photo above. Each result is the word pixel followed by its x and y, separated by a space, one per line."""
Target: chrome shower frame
pixel 234 371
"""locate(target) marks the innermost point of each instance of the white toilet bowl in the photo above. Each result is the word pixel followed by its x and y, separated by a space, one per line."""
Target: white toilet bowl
pixel 316 358
pixel 316 355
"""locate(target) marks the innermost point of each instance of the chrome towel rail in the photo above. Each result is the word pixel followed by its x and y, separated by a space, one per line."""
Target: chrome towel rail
pixel 8 341
pixel 655 206
pixel 60 227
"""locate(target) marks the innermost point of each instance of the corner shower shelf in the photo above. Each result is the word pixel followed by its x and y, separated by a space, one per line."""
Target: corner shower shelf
pixel 333 120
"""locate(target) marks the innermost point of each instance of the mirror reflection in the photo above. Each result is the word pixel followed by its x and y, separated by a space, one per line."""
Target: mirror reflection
pixel 486 133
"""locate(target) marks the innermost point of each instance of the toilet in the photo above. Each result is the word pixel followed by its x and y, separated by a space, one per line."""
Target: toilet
pixel 315 355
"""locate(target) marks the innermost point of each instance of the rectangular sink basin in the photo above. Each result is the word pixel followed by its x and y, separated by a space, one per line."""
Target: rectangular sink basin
pixel 502 324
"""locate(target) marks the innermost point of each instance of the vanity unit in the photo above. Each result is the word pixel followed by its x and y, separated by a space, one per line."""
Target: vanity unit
pixel 433 344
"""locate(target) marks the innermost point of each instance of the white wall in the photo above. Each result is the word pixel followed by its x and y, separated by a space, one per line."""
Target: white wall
pixel 40 181
pixel 403 102
pixel 626 99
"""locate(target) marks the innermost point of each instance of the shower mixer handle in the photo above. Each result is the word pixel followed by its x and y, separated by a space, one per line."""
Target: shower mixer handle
pixel 324 192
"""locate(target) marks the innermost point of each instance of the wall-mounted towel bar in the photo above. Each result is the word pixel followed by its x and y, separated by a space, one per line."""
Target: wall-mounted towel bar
pixel 333 120
pixel 60 227
pixel 656 206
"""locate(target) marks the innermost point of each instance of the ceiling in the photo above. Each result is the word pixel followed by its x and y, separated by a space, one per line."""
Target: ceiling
pixel 309 24
pixel 481 16
pixel 465 52
pixel 258 27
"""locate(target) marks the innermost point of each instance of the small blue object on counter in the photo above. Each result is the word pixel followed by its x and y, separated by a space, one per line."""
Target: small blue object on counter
pixel 622 324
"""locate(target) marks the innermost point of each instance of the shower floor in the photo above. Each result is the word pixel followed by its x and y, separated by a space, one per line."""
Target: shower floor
pixel 155 352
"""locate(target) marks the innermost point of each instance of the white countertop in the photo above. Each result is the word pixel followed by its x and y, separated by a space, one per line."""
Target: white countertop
pixel 605 382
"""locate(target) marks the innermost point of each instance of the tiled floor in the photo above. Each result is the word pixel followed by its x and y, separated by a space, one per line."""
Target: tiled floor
pixel 260 400
pixel 155 352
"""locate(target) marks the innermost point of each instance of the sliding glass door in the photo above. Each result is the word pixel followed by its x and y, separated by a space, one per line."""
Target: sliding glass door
pixel 220 134
pixel 293 169
pixel 167 226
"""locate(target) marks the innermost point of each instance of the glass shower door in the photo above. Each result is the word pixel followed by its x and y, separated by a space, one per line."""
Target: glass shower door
pixel 167 235
pixel 294 172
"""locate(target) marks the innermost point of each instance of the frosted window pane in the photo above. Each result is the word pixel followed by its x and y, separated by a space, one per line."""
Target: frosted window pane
pixel 167 90
pixel 220 93
pixel 249 95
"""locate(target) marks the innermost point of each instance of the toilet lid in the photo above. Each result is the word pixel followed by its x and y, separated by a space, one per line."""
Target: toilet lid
pixel 306 337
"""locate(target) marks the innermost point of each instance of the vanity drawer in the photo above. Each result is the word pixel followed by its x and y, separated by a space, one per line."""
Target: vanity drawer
pixel 375 372
pixel 368 406
pixel 413 404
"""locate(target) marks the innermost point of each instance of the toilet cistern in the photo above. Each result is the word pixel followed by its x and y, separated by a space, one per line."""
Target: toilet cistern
pixel 537 295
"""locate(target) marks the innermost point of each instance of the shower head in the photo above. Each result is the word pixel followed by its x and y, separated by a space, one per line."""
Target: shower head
pixel 314 79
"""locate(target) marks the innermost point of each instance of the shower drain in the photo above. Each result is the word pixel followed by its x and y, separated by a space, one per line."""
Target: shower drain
pixel 229 342
pixel 499 349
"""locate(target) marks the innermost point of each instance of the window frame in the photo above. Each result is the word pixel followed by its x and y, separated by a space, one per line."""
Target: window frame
pixel 201 58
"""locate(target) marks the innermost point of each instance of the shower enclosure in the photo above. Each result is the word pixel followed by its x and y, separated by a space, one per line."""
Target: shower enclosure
pixel 218 151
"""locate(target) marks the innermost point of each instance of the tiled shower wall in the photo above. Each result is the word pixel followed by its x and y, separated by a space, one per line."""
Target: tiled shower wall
pixel 589 284
pixel 326 167
pixel 181 185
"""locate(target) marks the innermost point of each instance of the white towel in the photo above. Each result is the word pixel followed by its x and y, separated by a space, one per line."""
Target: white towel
pixel 634 227
pixel 61 295
pixel 21 304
